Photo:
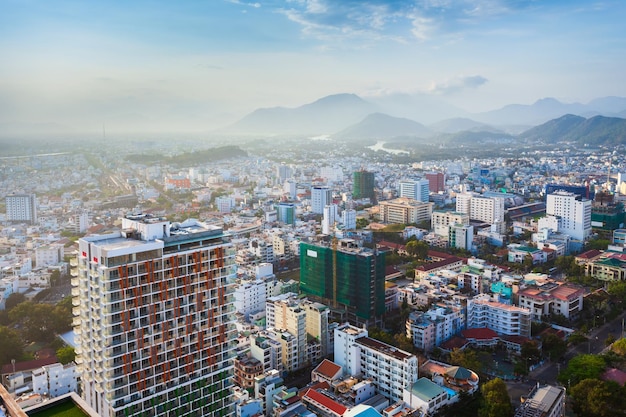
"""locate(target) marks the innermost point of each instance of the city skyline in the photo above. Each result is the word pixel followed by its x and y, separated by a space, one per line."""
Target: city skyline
pixel 204 65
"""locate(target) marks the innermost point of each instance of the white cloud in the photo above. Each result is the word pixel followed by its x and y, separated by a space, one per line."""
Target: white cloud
pixel 456 84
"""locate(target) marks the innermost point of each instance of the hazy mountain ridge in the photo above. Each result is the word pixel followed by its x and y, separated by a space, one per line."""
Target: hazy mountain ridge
pixel 327 115
pixel 346 115
pixel 597 130
pixel 383 126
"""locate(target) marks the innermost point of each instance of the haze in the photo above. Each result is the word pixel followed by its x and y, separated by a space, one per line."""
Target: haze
pixel 202 65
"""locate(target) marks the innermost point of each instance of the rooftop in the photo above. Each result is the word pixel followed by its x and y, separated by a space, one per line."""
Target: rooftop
pixel 384 348
pixel 426 390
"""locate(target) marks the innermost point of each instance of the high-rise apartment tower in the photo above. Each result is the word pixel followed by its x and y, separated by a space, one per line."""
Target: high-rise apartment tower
pixel 154 319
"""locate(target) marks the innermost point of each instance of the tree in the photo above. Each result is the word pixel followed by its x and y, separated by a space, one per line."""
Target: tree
pixel 582 367
pixel 418 249
pixel 362 223
pixel 55 278
pixel 496 400
pixel 38 320
pixel 10 345
pixel 553 346
pixel 66 354
pixel 466 358
pixel 619 347
pixel 13 300
pixel 597 398
pixel 530 351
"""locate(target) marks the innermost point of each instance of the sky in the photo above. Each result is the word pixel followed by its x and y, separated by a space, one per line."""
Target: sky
pixel 199 65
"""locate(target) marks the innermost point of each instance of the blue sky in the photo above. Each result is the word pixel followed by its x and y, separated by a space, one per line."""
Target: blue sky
pixel 202 64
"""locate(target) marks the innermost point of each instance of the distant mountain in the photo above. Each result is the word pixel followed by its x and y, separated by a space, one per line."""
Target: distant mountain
pixel 597 130
pixel 425 108
pixel 480 137
pixel 460 124
pixel 326 115
pixel 549 108
pixel 339 112
pixel 382 126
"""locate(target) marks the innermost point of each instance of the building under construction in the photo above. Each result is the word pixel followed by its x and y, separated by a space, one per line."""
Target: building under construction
pixel 348 278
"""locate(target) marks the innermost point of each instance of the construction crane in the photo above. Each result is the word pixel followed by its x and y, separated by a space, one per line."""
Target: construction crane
pixel 334 248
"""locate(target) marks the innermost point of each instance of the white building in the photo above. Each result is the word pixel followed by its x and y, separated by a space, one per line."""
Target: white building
pixel 225 204
pixel 441 221
pixel 502 318
pixel 49 255
pixel 21 208
pixel 250 296
pixel 348 219
pixel 573 211
pixel 461 236
pixel 329 219
pixel 405 211
pixel 54 380
pixel 414 189
pixel 390 368
pixel 154 319
pixel 320 197
pixel 544 401
pixel 433 327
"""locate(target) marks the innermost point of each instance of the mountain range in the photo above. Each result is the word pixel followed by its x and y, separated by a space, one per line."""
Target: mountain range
pixel 349 117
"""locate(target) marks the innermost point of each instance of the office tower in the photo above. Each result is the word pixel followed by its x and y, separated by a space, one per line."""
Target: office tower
pixel 414 189
pixel 487 209
pixel 154 319
pixel 225 204
pixel 345 277
pixel 460 236
pixel 580 190
pixel 363 185
pixel 405 211
pixel 329 219
pixel 573 211
pixel 320 197
pixel 348 219
pixel 286 213
pixel 436 181
pixel 21 208
pixel 283 172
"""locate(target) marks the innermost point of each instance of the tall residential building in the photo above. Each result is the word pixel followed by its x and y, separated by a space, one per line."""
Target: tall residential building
pixel 487 209
pixel 436 181
pixel 461 236
pixel 320 197
pixel 283 172
pixel 21 208
pixel 286 213
pixel 441 221
pixel 574 213
pixel 329 218
pixel 363 186
pixel 154 319
pixel 390 369
pixel 405 211
pixel 348 219
pixel 414 189
pixel 345 277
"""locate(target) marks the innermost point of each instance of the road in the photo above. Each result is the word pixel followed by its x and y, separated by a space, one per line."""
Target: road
pixel 548 372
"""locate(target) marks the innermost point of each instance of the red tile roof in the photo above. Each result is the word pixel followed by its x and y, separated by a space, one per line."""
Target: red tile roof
pixel 28 365
pixel 323 400
pixel 590 254
pixel 327 368
pixel 479 334
pixel 455 342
